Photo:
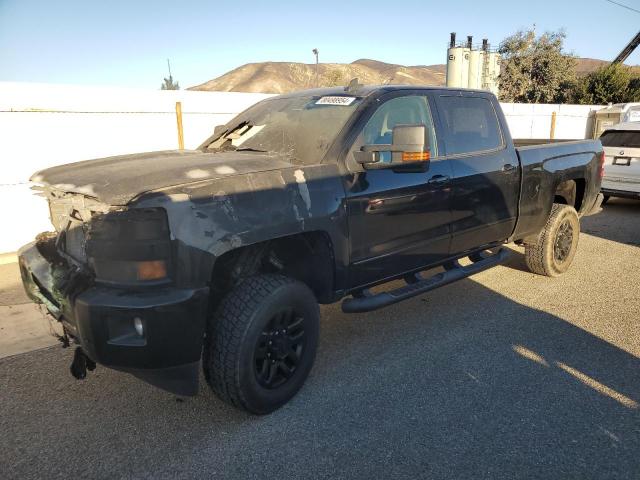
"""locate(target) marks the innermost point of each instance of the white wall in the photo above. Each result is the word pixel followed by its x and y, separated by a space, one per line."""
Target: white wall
pixel 534 120
pixel 43 125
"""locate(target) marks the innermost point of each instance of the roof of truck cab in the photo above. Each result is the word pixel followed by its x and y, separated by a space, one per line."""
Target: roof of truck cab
pixel 366 90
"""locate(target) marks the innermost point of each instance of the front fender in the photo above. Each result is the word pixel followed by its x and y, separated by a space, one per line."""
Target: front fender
pixel 209 218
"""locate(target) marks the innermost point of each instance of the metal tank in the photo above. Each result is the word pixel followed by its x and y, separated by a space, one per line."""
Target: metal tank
pixel 493 72
pixel 476 64
pixel 472 68
pixel 457 64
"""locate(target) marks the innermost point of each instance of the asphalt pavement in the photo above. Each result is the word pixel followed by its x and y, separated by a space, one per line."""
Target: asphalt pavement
pixel 504 375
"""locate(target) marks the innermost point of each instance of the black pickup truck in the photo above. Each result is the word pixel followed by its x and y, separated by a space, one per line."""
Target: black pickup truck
pixel 162 261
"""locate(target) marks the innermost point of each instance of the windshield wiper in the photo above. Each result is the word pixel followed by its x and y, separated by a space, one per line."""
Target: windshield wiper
pixel 229 147
pixel 223 142
pixel 249 149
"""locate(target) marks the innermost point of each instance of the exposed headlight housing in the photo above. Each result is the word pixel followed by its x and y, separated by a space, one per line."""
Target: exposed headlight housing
pixel 130 247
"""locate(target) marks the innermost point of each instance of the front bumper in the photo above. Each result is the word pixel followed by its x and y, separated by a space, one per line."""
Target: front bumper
pixel 101 319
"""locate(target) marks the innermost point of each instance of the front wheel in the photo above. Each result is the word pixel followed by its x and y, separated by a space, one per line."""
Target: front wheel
pixel 261 343
pixel 557 243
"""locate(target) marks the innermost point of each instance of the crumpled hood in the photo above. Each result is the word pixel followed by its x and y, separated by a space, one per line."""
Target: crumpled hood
pixel 118 180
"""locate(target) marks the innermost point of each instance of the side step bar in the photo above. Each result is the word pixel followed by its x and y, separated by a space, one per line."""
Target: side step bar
pixel 417 284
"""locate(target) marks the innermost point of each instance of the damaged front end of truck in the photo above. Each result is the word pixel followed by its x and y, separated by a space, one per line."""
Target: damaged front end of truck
pixel 106 274
pixel 146 246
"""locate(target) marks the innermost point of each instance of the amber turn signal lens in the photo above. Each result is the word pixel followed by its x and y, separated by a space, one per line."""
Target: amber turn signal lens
pixel 415 156
pixel 152 270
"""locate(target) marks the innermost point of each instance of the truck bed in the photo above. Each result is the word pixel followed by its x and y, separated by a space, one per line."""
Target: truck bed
pixel 543 168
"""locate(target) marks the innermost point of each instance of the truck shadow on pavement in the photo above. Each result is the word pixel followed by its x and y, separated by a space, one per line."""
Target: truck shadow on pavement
pixel 619 221
pixel 459 383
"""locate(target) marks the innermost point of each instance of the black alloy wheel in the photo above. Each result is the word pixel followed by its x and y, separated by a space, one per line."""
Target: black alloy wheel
pixel 557 243
pixel 261 342
pixel 564 242
pixel 280 348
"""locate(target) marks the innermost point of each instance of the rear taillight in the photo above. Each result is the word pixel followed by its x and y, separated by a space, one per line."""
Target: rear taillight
pixel 601 166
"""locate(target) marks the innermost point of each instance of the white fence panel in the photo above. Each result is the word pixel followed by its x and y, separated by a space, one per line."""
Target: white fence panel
pixel 44 125
pixel 534 120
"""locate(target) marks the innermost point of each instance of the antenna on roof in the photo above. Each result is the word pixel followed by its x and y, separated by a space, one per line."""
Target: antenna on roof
pixel 353 86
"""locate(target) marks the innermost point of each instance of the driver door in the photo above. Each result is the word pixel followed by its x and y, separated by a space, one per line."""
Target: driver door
pixel 399 217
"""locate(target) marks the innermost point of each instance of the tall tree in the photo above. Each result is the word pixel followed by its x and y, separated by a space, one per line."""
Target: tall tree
pixel 535 69
pixel 613 83
pixel 168 83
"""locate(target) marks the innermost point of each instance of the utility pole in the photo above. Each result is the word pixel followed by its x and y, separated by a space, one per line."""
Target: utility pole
pixel 315 52
pixel 628 49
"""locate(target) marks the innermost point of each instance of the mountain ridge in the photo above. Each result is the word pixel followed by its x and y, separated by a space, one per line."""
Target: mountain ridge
pixel 283 77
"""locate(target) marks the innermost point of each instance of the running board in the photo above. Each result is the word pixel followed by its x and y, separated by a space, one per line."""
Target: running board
pixel 417 284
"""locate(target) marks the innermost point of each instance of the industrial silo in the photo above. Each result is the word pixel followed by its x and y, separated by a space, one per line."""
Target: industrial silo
pixel 457 64
pixel 476 65
pixel 493 72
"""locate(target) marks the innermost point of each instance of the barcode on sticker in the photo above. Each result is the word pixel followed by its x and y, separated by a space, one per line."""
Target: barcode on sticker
pixel 335 101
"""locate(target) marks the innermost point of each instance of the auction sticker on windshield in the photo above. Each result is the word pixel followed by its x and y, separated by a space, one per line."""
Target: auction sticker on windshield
pixel 335 101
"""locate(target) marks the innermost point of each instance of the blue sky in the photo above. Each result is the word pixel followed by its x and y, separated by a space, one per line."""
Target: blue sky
pixel 126 43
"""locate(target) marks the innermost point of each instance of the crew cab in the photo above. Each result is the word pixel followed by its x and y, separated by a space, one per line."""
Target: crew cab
pixel 163 262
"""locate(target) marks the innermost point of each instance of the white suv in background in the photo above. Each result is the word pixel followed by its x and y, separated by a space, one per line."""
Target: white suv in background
pixel 622 161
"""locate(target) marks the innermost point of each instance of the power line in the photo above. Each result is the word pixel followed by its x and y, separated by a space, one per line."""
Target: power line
pixel 623 6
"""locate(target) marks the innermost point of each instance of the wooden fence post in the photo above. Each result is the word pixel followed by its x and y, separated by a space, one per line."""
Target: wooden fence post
pixel 179 119
pixel 552 131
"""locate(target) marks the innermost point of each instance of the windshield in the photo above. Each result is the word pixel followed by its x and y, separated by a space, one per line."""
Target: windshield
pixel 301 128
pixel 621 138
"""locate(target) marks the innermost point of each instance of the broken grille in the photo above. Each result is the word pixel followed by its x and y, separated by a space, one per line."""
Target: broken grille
pixel 74 241
pixel 70 228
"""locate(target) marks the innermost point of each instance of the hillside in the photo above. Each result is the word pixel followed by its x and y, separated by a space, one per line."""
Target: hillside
pixel 282 77
pixel 588 65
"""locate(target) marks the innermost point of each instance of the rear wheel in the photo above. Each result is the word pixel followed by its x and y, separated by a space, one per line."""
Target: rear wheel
pixel 261 343
pixel 605 199
pixel 557 243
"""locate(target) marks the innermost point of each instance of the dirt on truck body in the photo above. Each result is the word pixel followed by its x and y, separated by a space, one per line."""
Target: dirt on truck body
pixel 164 262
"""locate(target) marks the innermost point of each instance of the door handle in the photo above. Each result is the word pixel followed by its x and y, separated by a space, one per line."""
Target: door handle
pixel 438 180
pixel 507 167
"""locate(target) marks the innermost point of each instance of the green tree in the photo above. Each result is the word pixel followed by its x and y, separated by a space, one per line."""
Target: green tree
pixel 634 87
pixel 169 84
pixel 613 83
pixel 535 69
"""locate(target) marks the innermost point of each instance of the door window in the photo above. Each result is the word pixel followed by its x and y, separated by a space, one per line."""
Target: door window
pixel 471 124
pixel 409 110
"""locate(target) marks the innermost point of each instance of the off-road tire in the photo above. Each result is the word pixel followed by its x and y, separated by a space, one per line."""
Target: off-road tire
pixel 542 257
pixel 236 327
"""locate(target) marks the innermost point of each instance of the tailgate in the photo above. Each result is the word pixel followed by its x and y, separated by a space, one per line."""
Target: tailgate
pixel 622 169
